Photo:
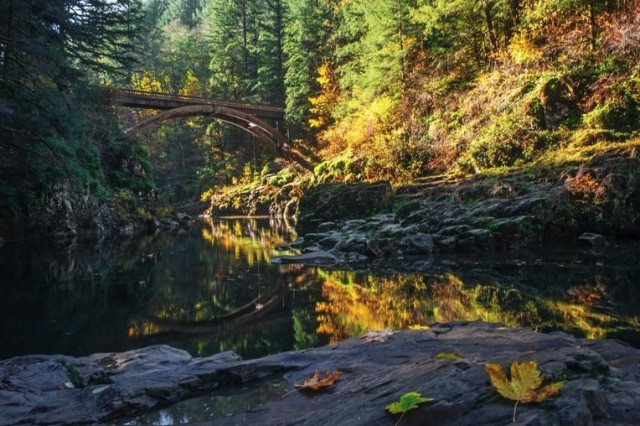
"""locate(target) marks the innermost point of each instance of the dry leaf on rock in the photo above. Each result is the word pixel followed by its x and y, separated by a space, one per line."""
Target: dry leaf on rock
pixel 416 327
pixel 376 336
pixel 524 385
pixel 316 382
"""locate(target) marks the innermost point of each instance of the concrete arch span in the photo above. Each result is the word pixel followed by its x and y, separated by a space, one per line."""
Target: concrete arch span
pixel 247 122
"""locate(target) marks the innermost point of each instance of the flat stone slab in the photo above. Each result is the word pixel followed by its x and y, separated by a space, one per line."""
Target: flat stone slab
pixel 318 257
pixel 602 381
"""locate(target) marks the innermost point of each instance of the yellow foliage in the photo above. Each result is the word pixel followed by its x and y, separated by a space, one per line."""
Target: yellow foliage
pixel 192 86
pixel 522 50
pixel 205 197
pixel 145 81
pixel 324 102
pixel 372 132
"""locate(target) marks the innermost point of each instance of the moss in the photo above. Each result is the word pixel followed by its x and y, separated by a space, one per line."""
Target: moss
pixel 72 373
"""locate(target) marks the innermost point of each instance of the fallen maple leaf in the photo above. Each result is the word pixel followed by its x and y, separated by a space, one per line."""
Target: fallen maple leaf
pixel 407 402
pixel 316 382
pixel 524 385
pixel 377 336
pixel 419 327
pixel 448 355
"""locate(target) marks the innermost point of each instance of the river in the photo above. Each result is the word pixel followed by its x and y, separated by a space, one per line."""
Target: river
pixel 214 288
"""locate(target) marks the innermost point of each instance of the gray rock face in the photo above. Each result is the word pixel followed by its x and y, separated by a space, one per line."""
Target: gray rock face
pixel 595 241
pixel 485 214
pixel 602 381
pixel 329 202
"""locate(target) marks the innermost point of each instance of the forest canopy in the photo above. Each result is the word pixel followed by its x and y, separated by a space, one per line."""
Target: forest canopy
pixel 420 86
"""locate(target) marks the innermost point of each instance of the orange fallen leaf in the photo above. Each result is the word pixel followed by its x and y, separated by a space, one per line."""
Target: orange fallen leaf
pixel 316 382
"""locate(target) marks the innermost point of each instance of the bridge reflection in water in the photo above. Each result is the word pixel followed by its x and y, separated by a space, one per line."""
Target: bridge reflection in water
pixel 213 288
pixel 316 305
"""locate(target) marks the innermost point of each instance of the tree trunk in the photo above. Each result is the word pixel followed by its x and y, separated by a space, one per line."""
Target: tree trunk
pixel 594 25
pixel 490 30
pixel 514 19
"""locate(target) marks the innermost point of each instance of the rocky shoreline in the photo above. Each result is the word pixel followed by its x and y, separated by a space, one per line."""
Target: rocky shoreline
pixel 361 222
pixel 601 381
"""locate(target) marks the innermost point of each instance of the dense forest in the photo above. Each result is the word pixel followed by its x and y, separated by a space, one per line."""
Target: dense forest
pixel 373 90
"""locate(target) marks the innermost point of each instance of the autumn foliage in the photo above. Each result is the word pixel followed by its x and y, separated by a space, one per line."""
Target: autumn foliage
pixel 318 382
pixel 525 384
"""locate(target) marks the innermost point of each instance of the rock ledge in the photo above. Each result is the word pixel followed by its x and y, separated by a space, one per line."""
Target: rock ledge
pixel 602 381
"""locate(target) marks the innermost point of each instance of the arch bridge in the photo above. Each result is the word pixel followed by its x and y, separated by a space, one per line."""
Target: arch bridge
pixel 247 116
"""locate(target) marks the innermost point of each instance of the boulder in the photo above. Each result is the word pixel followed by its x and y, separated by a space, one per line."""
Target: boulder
pixel 317 257
pixel 326 227
pixel 595 241
pixel 330 241
pixel 338 202
pixel 354 244
pixel 417 244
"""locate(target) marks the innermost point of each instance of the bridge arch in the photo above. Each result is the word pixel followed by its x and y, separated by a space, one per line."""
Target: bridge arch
pixel 247 122
pixel 247 116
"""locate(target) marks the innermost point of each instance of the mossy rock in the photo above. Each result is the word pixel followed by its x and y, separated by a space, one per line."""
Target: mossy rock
pixel 337 202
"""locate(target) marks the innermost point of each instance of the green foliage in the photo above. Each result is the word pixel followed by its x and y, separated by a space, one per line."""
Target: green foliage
pixel 339 169
pixel 304 329
pixel 448 355
pixel 305 44
pixel 52 133
pixel 281 178
pixel 72 373
pixel 620 111
pixel 407 402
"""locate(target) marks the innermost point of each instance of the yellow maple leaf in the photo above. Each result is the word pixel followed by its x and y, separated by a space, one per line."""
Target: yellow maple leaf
pixel 524 385
pixel 316 382
pixel 418 327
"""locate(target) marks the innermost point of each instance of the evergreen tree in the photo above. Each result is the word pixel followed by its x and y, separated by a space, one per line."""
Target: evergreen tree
pixel 231 29
pixel 49 51
pixel 306 46
pixel 270 79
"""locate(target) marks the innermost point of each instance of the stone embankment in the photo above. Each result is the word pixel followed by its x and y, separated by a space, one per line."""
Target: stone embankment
pixel 601 381
pixel 358 222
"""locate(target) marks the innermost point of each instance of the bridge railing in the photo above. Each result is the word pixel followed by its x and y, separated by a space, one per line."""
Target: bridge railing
pixel 146 95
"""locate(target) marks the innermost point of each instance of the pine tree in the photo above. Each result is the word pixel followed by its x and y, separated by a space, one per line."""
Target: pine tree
pixel 306 47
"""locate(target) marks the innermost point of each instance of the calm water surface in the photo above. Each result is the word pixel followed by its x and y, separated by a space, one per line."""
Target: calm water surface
pixel 214 288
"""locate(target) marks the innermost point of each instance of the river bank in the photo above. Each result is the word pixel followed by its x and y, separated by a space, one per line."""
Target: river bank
pixel 590 203
pixel 601 381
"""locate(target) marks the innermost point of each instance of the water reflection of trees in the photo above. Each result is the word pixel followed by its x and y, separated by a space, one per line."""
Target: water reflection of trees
pixel 353 303
pixel 222 293
pixel 248 239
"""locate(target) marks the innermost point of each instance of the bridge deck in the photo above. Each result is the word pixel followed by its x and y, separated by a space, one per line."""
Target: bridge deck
pixel 164 101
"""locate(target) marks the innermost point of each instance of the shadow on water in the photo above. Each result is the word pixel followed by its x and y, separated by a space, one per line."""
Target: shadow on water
pixel 213 288
pixel 205 290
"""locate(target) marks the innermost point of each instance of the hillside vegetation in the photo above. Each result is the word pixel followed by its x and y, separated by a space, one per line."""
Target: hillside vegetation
pixel 398 90
pixel 373 90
